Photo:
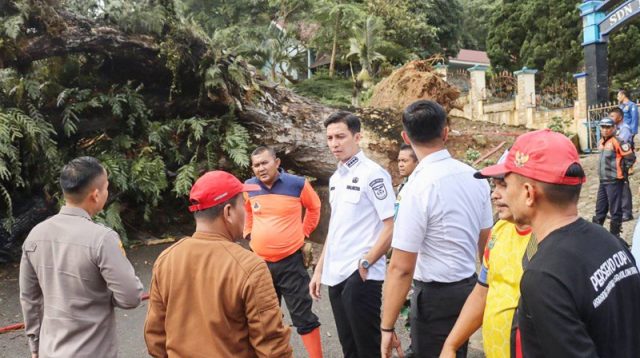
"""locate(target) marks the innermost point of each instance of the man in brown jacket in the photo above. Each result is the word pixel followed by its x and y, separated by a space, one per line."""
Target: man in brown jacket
pixel 209 296
pixel 74 272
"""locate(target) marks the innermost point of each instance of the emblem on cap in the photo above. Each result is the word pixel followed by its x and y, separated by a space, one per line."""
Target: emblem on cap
pixel 521 159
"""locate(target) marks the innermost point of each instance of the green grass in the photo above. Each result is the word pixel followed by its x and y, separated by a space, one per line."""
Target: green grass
pixel 334 92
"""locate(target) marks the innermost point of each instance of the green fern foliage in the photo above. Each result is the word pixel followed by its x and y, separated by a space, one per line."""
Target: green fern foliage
pixel 187 174
pixel 111 218
pixel 236 144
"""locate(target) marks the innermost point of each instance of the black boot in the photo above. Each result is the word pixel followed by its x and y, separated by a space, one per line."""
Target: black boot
pixel 614 228
pixel 595 220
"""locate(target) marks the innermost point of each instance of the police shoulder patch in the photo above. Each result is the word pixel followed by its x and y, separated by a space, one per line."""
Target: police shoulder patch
pixel 379 189
pixel 626 147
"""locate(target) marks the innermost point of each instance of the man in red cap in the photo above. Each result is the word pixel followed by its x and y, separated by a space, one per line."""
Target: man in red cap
pixel 579 292
pixel 209 296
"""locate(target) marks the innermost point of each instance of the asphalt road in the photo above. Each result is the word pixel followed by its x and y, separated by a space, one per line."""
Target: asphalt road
pixel 130 322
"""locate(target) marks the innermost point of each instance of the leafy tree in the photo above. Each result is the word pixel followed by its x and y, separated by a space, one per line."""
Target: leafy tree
pixel 336 18
pixel 62 107
pixel 365 43
pixel 624 67
pixel 476 22
pixel 406 28
pixel 537 34
pixel 446 17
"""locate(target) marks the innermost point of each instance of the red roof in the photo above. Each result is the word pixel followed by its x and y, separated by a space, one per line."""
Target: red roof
pixel 472 57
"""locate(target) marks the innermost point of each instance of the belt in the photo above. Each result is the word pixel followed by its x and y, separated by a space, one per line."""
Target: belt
pixel 472 278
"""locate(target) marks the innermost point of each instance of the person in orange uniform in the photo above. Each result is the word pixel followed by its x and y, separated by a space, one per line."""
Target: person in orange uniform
pixel 276 233
pixel 209 296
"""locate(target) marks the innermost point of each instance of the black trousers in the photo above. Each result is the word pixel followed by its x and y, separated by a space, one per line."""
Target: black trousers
pixel 356 310
pixel 627 204
pixel 435 307
pixel 609 199
pixel 291 281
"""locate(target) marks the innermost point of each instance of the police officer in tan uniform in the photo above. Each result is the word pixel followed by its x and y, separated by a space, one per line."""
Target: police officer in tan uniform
pixel 74 272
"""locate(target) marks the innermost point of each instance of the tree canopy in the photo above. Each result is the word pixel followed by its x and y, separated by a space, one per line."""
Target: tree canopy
pixel 547 36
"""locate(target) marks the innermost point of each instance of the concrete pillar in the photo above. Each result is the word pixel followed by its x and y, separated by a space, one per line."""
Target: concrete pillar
pixel 478 89
pixel 526 96
pixel 595 52
pixel 441 69
pixel 580 110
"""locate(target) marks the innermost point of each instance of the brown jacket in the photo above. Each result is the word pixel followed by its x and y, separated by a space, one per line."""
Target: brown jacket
pixel 212 298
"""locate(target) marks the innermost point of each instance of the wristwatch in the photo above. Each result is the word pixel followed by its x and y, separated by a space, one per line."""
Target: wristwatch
pixel 364 263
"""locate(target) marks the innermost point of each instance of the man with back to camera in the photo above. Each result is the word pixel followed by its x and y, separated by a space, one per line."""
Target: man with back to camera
pixel 74 272
pixel 209 296
pixel 277 232
pixel 443 220
pixel 579 293
pixel 492 303
pixel 616 157
pixel 629 111
pixel 353 259
pixel 407 162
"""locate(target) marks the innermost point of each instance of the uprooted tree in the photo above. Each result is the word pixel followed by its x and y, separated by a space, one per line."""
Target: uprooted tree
pixel 157 108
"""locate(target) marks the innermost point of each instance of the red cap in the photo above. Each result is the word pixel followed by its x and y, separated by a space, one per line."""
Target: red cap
pixel 541 155
pixel 215 188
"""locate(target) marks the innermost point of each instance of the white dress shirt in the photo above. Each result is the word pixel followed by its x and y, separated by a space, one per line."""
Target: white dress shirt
pixel 361 197
pixel 443 210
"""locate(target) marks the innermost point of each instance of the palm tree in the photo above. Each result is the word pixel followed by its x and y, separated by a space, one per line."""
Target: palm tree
pixel 365 42
pixel 337 16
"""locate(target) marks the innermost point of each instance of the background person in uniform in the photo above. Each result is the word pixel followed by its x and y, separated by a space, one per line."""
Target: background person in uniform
pixel 624 133
pixel 353 259
pixel 74 272
pixel 579 293
pixel 209 296
pixel 407 162
pixel 629 111
pixel 615 159
pixel 445 215
pixel 277 234
pixel 492 303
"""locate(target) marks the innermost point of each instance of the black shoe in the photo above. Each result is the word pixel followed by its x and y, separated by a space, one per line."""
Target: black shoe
pixel 627 218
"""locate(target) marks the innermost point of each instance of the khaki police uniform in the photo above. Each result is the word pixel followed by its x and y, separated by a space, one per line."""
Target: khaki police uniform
pixel 73 273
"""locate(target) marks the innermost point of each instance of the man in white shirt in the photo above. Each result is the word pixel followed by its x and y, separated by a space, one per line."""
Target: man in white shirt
pixel 352 263
pixel 444 218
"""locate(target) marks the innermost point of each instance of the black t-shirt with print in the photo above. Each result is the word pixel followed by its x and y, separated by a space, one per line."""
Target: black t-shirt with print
pixel 580 296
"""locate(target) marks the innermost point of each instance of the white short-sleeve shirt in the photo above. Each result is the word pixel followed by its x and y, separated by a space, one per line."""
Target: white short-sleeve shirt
pixel 361 197
pixel 443 210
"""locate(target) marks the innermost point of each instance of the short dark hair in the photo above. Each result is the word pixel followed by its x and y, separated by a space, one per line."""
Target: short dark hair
pixel 407 147
pixel 213 212
pixel 77 175
pixel 562 195
pixel 424 121
pixel 351 120
pixel 262 149
pixel 624 92
pixel 616 110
